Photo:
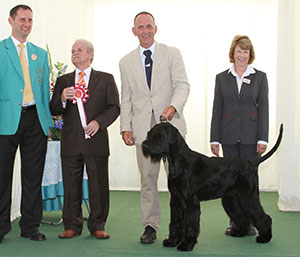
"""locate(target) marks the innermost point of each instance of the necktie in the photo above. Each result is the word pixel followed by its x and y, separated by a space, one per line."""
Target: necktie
pixel 28 95
pixel 80 81
pixel 148 66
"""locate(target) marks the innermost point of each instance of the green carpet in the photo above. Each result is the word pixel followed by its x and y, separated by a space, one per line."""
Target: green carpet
pixel 125 229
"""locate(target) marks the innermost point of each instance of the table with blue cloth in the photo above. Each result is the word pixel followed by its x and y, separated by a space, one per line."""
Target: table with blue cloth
pixel 52 185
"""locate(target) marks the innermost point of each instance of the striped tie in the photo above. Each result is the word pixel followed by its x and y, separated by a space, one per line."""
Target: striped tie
pixel 80 81
pixel 28 95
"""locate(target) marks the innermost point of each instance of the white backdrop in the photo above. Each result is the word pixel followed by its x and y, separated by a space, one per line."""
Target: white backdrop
pixel 202 30
pixel 288 111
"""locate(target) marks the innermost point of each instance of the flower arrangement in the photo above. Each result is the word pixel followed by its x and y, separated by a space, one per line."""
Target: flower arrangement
pixel 60 70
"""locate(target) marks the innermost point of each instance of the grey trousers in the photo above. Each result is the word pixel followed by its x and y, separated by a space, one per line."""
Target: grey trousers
pixel 150 206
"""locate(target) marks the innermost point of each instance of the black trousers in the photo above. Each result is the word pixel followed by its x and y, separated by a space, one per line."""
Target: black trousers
pixel 97 171
pixel 240 151
pixel 33 147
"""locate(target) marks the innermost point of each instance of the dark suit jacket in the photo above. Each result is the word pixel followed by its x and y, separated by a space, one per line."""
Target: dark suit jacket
pixel 240 117
pixel 102 106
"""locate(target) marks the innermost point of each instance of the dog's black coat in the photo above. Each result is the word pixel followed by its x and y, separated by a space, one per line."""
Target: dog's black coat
pixel 194 177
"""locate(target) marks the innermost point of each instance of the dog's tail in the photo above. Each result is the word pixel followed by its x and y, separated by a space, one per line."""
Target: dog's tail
pixel 269 154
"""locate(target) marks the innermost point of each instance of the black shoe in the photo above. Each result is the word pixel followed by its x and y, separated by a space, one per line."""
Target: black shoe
pixel 34 235
pixel 1 238
pixel 149 235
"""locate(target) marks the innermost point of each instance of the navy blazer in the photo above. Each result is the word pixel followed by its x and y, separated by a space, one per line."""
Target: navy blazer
pixel 240 117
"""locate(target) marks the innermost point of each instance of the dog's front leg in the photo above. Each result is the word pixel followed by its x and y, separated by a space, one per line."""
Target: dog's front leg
pixel 191 225
pixel 175 226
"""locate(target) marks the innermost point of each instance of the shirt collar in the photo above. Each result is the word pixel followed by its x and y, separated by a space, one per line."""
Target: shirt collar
pixel 87 71
pixel 151 48
pixel 17 42
pixel 247 72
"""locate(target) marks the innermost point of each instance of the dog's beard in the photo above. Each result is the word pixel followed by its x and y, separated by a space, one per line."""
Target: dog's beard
pixel 156 158
pixel 155 152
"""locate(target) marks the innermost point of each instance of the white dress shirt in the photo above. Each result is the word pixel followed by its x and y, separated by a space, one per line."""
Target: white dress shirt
pixel 86 79
pixel 142 49
pixel 239 82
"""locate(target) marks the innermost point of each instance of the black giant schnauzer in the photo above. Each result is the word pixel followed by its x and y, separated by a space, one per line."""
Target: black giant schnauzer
pixel 194 177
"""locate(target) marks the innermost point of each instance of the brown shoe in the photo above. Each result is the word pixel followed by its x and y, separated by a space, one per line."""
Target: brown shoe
pixel 68 234
pixel 100 234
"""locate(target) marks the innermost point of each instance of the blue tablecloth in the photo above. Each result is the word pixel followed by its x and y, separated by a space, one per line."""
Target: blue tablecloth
pixel 52 185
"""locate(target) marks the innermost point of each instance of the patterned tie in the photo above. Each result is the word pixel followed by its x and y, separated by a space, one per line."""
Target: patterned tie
pixel 80 81
pixel 28 95
pixel 148 66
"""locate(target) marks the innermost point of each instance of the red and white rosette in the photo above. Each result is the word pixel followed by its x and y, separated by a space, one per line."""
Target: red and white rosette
pixel 81 96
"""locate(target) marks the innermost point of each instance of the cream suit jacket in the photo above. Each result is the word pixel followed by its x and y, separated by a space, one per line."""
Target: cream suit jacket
pixel 169 86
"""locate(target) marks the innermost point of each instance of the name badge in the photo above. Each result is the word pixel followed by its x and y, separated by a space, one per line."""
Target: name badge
pixel 247 81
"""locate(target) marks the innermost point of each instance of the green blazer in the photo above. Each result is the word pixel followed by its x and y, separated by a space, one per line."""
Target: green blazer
pixel 12 86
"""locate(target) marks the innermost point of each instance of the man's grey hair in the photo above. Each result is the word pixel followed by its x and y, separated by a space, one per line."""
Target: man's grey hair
pixel 90 47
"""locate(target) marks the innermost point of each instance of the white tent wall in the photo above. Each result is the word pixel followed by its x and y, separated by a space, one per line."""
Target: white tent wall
pixel 288 93
pixel 203 31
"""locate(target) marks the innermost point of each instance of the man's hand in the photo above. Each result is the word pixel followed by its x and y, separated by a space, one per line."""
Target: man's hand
pixel 215 149
pixel 127 137
pixel 92 128
pixel 168 113
pixel 68 93
pixel 261 148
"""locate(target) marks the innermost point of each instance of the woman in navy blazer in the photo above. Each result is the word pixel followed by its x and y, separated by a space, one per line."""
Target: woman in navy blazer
pixel 240 118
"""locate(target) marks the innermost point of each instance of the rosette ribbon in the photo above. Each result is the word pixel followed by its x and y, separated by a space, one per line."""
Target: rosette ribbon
pixel 80 97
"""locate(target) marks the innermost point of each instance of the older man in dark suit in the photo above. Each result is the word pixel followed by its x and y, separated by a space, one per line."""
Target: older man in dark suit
pixel 89 102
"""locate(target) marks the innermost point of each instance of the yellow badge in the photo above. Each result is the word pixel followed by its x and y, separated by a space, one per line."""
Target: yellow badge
pixel 33 57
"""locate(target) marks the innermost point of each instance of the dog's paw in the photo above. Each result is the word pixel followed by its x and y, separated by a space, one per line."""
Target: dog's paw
pixel 170 243
pixel 263 239
pixel 185 246
pixel 238 233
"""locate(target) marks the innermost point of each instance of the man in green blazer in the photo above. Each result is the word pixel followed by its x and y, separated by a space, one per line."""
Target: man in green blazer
pixel 24 122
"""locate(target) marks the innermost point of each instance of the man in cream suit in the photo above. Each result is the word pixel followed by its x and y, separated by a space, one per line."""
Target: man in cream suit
pixel 145 97
pixel 24 121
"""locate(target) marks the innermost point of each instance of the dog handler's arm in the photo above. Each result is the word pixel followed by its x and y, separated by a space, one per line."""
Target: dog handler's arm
pixel 179 81
pixel 127 137
pixel 169 112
